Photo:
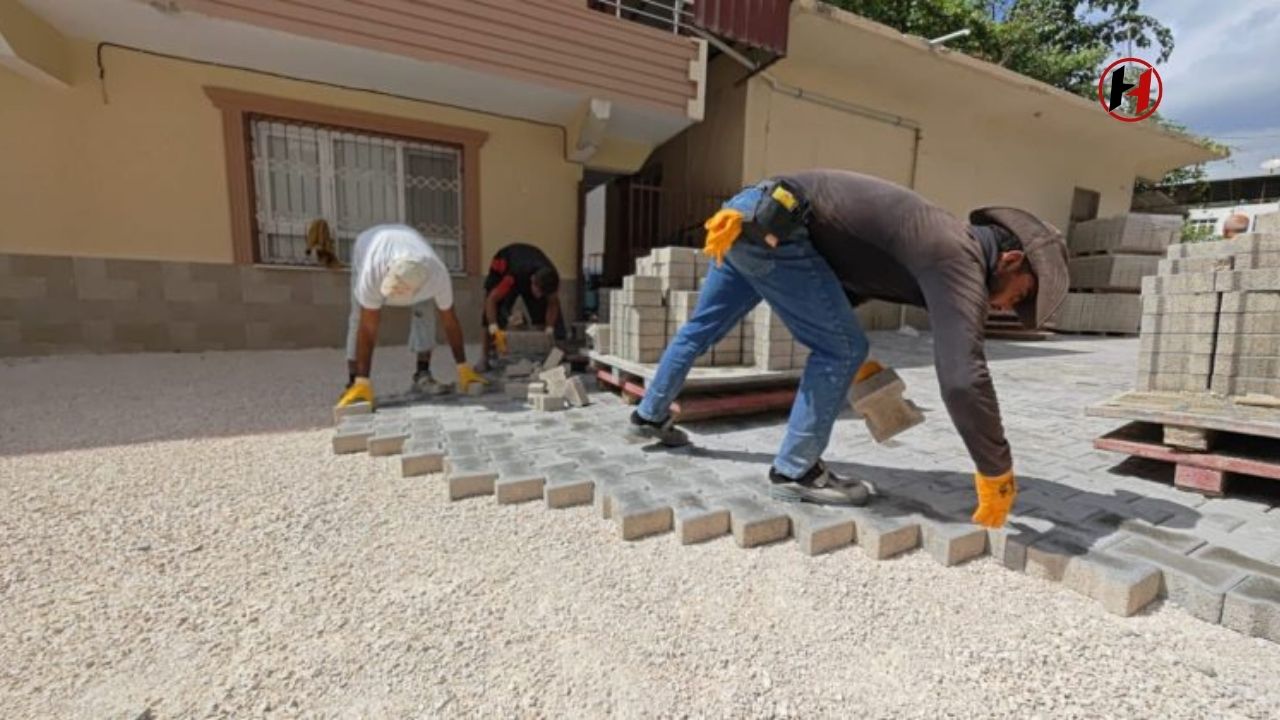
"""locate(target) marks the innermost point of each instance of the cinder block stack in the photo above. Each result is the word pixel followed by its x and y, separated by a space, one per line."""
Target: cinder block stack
pixel 1211 318
pixel 1111 257
pixel 660 298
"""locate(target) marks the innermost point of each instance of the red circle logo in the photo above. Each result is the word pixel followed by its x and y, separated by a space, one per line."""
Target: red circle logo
pixel 1130 101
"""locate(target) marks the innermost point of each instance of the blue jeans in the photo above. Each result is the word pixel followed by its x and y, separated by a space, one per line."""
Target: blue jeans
pixel 801 287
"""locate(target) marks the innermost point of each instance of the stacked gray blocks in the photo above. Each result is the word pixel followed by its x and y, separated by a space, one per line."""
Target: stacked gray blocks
pixel 1112 256
pixel 1209 319
pixel 652 306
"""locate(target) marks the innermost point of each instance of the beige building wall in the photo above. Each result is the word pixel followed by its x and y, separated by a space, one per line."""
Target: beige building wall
pixel 134 167
pixel 966 158
pixel 706 159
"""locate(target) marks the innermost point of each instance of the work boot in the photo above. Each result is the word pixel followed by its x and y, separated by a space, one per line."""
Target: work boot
pixel 664 432
pixel 818 485
pixel 426 385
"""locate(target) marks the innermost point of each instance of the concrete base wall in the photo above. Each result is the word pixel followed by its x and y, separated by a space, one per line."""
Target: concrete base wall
pixel 52 305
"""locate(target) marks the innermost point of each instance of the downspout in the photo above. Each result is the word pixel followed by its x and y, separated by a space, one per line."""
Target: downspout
pixel 799 93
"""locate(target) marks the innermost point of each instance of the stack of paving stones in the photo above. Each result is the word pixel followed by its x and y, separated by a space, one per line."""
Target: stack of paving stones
pixel 547 387
pixel 659 299
pixel 1123 550
pixel 1211 317
pixel 1111 257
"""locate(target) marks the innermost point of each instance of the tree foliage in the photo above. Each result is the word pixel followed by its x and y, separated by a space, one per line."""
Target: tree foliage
pixel 1060 42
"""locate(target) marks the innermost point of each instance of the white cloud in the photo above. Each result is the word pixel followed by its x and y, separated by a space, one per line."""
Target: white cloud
pixel 1221 78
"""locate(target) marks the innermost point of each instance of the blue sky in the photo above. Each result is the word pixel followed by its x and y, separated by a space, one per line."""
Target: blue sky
pixel 1223 79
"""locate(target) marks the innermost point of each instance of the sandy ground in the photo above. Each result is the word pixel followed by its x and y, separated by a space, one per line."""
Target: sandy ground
pixel 178 537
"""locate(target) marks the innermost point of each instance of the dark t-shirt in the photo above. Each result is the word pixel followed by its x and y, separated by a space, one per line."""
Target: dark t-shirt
pixel 887 242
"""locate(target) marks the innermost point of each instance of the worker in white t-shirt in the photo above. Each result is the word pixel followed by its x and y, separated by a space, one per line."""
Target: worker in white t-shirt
pixel 394 265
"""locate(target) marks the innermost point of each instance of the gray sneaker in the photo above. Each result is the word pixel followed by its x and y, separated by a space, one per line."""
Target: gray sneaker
pixel 425 384
pixel 664 432
pixel 819 485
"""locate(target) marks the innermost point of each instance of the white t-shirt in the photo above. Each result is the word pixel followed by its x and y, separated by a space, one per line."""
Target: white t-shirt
pixel 375 251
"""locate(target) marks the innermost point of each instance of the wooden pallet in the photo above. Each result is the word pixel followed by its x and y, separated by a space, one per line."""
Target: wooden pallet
pixel 1098 333
pixel 709 392
pixel 1192 410
pixel 1007 326
pixel 1206 472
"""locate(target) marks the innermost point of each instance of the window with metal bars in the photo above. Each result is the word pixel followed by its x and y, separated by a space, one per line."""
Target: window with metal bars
pixel 304 172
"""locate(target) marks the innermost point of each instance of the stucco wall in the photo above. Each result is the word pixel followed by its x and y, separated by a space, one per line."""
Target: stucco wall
pixel 141 173
pixel 967 158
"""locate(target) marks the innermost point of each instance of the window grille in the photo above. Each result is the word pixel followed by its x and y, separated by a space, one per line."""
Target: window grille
pixel 354 180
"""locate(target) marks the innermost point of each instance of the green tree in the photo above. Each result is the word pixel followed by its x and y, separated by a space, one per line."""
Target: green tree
pixel 1060 42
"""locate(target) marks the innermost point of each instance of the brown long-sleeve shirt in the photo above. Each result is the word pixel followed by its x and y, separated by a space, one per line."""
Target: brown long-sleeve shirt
pixel 887 242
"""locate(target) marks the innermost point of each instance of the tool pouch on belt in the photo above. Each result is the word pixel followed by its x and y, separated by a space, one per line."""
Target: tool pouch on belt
pixel 783 210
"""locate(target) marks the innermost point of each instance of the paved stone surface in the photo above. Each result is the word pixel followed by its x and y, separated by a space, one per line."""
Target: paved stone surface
pixel 1111 528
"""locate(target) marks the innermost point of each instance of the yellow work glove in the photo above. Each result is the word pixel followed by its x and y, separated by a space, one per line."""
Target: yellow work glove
pixel 995 498
pixel 722 229
pixel 361 390
pixel 499 338
pixel 869 368
pixel 467 376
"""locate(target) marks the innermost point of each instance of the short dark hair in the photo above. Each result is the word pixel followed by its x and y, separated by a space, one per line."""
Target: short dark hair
pixel 547 279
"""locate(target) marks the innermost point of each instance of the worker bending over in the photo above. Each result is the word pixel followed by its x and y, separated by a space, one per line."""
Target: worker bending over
pixel 520 271
pixel 812 245
pixel 394 265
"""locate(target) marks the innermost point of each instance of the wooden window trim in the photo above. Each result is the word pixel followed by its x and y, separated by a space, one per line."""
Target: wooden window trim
pixel 236 107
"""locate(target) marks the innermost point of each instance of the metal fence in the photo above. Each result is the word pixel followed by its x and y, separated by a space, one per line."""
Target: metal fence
pixel 674 15
pixel 660 217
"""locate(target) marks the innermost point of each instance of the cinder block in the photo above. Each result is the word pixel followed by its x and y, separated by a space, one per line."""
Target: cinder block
pixel 640 282
pixel 517 483
pixel 1184 284
pixel 470 478
pixel 1009 544
pixel 554 358
pixel 1265 280
pixel 675 270
pixel 643 298
pixel 575 393
pixel 555 379
pixel 528 342
pixel 675 255
pixel 698 519
pixel 819 530
pixel 953 543
pixel 1102 272
pixel 1262 345
pixel 640 514
pixel 352 439
pixel 549 403
pixel 1123 585
pixel 1203 323
pixel 879 400
pixel 1184 343
pixel 1129 233
pixel 360 408
pixel 1178 304
pixel 1182 363
pixel 568 488
pixel 1253 608
pixel 1248 324
pixel 422 460
pixel 753 523
pixel 884 537
pixel 1250 302
pixel 1194 585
